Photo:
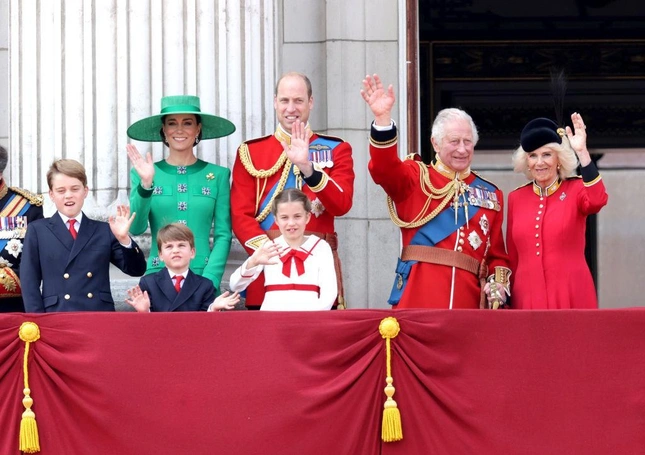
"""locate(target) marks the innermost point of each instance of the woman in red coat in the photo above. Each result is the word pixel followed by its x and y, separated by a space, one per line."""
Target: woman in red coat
pixel 547 217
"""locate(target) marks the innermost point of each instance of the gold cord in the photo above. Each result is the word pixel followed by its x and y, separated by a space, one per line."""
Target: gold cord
pixel 283 181
pixel 448 192
pixel 245 159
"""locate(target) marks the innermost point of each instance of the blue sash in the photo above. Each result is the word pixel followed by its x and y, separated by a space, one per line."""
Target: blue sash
pixel 319 150
pixel 431 233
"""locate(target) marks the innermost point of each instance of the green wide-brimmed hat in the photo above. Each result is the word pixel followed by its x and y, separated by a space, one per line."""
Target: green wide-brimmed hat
pixel 147 129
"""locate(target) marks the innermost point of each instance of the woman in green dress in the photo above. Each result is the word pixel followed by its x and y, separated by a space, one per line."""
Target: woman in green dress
pixel 182 188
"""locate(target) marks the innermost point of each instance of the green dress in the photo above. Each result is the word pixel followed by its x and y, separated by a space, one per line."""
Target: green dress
pixel 198 196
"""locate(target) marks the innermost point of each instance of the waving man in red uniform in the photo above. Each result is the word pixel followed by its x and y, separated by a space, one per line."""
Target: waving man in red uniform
pixel 294 156
pixel 450 218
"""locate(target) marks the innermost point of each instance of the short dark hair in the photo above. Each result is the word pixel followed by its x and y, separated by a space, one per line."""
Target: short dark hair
pixel 290 195
pixel 70 168
pixel 175 232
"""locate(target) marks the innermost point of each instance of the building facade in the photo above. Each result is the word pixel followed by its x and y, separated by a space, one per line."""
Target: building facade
pixel 78 73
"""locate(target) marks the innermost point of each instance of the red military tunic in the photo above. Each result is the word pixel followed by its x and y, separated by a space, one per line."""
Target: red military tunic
pixel 432 285
pixel 259 165
pixel 546 242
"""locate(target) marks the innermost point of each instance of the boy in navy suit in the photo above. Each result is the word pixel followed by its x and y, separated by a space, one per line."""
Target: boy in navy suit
pixel 176 287
pixel 70 253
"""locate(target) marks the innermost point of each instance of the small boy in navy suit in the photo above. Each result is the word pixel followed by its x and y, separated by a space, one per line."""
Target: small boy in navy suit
pixel 177 288
pixel 70 253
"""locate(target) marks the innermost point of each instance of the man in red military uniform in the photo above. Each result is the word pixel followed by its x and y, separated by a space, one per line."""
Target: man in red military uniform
pixel 450 218
pixel 267 165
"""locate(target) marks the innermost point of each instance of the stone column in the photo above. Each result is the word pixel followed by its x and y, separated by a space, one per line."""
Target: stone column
pixel 82 71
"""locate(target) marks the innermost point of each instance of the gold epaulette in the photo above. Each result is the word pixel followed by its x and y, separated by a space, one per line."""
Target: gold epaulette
pixel 33 198
pixel 485 180
pixel 412 156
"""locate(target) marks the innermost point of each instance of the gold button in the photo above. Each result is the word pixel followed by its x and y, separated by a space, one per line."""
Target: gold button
pixel 67 297
pixel 541 206
pixel 537 235
pixel 66 276
pixel 461 241
pixel 540 212
pixel 537 226
pixel 537 218
pixel 89 295
pixel 541 200
pixel 89 274
pixel 538 253
pixel 461 234
pixel 537 244
pixel 459 248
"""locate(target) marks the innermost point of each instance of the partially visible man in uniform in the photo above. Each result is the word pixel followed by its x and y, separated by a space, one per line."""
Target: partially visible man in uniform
pixel 324 170
pixel 450 218
pixel 18 208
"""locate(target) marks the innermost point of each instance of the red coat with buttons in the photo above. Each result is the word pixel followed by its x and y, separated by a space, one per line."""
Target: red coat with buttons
pixel 546 244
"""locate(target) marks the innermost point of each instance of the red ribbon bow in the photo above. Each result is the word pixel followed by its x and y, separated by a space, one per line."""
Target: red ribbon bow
pixel 299 258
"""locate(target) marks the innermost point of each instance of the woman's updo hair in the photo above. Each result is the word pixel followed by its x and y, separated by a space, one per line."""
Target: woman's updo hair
pixel 290 195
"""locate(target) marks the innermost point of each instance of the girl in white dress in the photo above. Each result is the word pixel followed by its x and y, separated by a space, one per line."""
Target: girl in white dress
pixel 298 269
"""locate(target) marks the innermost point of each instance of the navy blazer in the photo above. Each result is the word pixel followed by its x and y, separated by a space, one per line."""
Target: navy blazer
pixel 196 294
pixel 75 274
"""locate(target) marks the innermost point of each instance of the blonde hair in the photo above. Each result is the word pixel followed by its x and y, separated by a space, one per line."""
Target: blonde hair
pixel 567 159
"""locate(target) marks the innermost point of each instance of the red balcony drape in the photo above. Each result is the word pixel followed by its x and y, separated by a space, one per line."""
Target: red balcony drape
pixel 515 382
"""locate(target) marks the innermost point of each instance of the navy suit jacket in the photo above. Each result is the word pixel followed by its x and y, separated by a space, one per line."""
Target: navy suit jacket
pixel 74 273
pixel 196 294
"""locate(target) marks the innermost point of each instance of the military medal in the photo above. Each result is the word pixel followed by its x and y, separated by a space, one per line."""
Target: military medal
pixel 322 155
pixel 483 223
pixel 317 208
pixel 13 227
pixel 475 240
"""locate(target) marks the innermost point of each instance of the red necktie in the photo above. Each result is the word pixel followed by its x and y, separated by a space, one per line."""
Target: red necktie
pixel 72 230
pixel 299 257
pixel 178 279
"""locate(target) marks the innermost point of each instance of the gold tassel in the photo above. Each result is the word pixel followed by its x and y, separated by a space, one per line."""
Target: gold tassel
pixel 391 430
pixel 29 443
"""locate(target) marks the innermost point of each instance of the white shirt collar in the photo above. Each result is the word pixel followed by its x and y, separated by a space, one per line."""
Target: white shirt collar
pixel 172 275
pixel 66 219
